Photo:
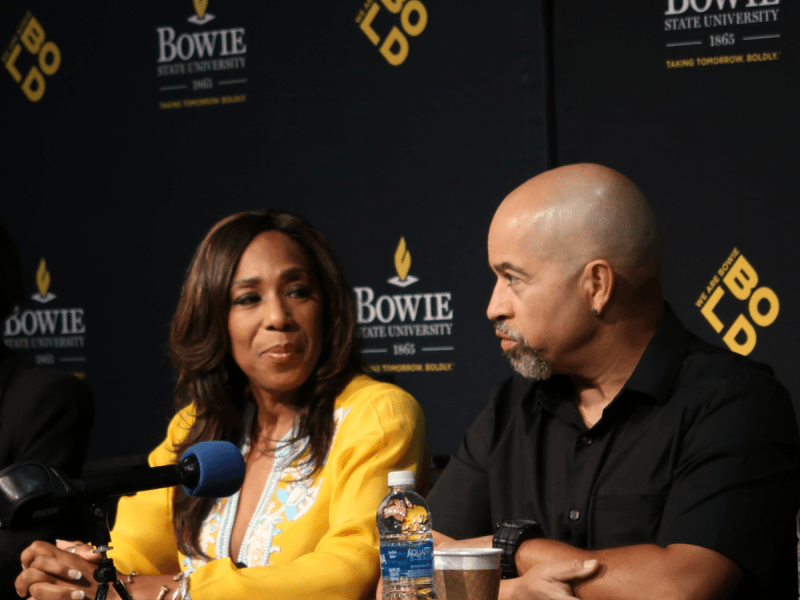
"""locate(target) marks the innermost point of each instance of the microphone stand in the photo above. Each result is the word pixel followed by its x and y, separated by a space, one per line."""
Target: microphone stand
pixel 99 535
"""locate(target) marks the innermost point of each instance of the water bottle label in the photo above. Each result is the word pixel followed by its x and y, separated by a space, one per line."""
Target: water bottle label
pixel 406 560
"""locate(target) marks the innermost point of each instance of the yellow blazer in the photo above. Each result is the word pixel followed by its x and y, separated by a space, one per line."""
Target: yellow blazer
pixel 316 537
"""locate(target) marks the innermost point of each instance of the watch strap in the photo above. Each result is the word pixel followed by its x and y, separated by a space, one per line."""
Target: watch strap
pixel 508 534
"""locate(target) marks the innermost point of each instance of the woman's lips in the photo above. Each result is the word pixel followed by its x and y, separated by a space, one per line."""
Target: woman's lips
pixel 282 353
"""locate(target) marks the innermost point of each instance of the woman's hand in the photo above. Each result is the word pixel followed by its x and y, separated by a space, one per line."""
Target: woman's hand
pixel 83 550
pixel 66 572
pixel 63 572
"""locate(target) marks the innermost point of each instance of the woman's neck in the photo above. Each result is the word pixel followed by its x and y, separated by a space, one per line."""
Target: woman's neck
pixel 274 417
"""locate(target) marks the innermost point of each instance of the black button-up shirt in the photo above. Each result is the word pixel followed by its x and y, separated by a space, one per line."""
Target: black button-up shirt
pixel 699 447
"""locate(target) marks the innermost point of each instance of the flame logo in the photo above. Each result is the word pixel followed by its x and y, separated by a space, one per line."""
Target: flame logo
pixel 402 259
pixel 42 278
pixel 200 7
pixel 201 17
pixel 402 264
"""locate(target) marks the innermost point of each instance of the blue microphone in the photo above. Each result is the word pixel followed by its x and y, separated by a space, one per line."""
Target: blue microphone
pixel 220 469
pixel 32 495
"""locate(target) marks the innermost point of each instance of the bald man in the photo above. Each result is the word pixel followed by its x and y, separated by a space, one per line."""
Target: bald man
pixel 628 458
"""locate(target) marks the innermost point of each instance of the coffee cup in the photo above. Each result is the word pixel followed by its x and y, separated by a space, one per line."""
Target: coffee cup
pixel 467 573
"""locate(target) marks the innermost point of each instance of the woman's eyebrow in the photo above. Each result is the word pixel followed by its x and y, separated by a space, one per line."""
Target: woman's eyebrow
pixel 285 274
pixel 246 281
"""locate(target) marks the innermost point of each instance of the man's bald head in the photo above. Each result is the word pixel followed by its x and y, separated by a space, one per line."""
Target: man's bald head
pixel 579 213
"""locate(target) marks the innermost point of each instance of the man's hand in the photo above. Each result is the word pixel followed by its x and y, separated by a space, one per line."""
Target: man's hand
pixel 548 581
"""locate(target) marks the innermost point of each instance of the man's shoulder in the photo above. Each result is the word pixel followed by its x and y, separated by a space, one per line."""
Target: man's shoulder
pixel 705 362
pixel 43 386
pixel 711 376
pixel 45 378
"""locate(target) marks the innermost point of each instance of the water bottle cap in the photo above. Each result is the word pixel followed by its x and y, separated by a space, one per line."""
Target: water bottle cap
pixel 401 478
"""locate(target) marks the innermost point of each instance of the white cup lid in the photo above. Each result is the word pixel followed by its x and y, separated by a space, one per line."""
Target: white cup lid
pixel 467 559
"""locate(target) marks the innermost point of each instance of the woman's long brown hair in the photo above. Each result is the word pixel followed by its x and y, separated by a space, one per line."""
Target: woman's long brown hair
pixel 207 375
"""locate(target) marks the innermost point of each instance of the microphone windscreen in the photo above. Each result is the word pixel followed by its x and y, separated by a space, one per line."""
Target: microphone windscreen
pixel 221 469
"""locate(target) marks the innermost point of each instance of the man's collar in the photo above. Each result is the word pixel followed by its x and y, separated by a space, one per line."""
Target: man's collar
pixel 657 369
pixel 653 376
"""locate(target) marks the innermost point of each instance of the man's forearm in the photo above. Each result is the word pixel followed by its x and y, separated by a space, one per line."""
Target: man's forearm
pixel 441 540
pixel 677 572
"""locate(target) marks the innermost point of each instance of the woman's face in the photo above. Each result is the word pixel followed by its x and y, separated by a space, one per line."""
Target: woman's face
pixel 276 317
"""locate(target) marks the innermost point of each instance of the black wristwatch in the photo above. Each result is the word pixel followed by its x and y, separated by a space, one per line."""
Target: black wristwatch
pixel 508 535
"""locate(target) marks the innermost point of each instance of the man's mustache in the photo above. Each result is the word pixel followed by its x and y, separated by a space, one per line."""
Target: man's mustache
pixel 515 335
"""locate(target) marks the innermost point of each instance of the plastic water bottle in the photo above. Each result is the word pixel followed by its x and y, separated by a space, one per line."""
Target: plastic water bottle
pixel 404 524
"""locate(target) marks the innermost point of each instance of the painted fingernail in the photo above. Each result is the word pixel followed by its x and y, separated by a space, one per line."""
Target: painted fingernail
pixel 75 574
pixel 77 595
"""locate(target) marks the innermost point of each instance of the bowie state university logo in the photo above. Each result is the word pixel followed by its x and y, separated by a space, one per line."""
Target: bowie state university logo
pixel 721 32
pixel 391 324
pixel 739 305
pixel 47 335
pixel 196 62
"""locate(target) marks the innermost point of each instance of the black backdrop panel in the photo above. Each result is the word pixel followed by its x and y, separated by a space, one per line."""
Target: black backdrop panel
pixel 696 101
pixel 163 117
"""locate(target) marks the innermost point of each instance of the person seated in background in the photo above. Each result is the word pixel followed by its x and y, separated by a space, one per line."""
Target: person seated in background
pixel 45 416
pixel 263 343
pixel 630 459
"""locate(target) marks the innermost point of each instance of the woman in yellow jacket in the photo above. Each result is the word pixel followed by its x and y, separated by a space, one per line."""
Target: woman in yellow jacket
pixel 263 342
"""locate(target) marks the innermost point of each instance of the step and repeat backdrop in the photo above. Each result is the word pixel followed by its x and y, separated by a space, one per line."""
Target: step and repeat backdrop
pixel 393 126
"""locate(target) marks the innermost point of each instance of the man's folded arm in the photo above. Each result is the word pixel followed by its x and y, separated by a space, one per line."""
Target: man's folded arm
pixel 677 572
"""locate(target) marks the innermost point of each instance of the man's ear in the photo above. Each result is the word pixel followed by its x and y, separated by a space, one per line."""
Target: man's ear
pixel 599 281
